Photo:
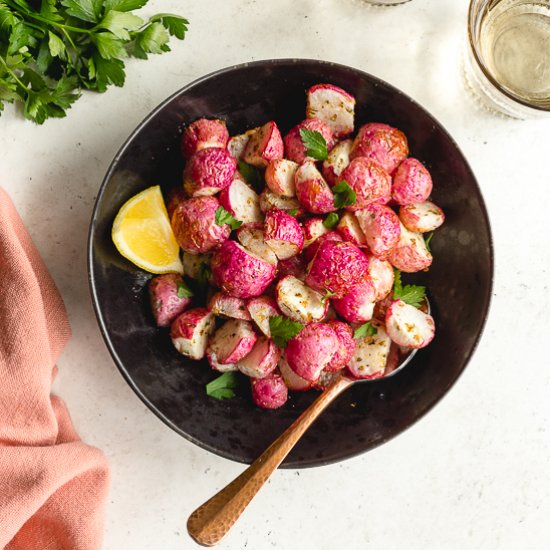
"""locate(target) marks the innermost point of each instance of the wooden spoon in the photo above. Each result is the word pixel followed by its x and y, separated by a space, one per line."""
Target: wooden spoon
pixel 209 523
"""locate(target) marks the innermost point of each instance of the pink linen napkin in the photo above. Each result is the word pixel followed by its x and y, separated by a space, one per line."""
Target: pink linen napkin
pixel 53 487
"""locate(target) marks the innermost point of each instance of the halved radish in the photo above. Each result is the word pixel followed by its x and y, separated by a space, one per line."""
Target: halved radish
pixel 382 144
pixel 344 351
pixel 369 181
pixel 213 361
pixel 294 146
pixel 269 200
pixel 381 227
pixel 311 250
pixel 292 380
pixel 265 144
pixel 232 341
pixel 337 267
pixel 229 307
pixel 380 274
pixel 410 253
pixel 421 217
pixel 300 302
pixel 337 161
pixel 239 272
pixel 279 177
pixel 283 234
pixel 408 326
pixel 237 144
pixel 166 303
pixel 241 200
pixel 269 392
pixel 311 350
pixel 190 332
pixel 208 171
pixel 349 228
pixel 357 305
pixel 371 354
pixel 313 229
pixel 251 236
pixel 312 190
pixel 202 134
pixel 326 378
pixel 262 360
pixel 333 106
pixel 261 309
pixel 412 182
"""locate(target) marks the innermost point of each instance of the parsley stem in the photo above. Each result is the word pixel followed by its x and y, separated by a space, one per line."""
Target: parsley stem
pixel 46 20
pixel 12 73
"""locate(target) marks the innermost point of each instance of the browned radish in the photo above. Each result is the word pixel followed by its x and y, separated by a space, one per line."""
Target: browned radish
pixel 261 309
pixel 232 341
pixel 408 326
pixel 279 177
pixel 264 145
pixel 269 392
pixel 190 332
pixel 262 360
pixel 241 200
pixel 333 106
pixel 300 302
pixel 371 354
pixel 228 307
pixel 283 234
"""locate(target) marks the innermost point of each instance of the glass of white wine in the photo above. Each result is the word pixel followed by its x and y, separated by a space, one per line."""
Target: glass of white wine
pixel 507 60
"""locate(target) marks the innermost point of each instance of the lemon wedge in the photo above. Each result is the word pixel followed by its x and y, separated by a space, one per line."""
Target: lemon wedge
pixel 142 233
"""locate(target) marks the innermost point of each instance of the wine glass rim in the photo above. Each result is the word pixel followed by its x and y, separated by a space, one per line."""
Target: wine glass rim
pixel 487 73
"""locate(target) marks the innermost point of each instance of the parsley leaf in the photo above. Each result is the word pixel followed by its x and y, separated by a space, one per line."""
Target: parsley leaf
pixel 124 5
pixel 225 217
pixel 86 10
pixel 365 330
pixel 184 291
pixel 328 294
pixel 315 144
pixel 223 386
pixel 120 23
pixel 292 212
pixel 56 45
pixel 410 294
pixel 174 24
pixel 283 329
pixel 344 195
pixel 331 220
pixel 251 174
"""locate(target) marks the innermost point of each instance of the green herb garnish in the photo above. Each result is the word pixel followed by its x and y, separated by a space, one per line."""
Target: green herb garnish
pixel 52 50
pixel 292 212
pixel 223 386
pixel 184 291
pixel 315 144
pixel 427 241
pixel 251 174
pixel 365 330
pixel 328 294
pixel 331 220
pixel 225 217
pixel 204 274
pixel 344 195
pixel 283 329
pixel 410 294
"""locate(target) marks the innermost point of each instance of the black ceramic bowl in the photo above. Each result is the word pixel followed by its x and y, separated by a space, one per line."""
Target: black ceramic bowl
pixel 172 386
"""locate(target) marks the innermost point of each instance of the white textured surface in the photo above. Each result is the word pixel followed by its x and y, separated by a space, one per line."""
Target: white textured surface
pixel 475 473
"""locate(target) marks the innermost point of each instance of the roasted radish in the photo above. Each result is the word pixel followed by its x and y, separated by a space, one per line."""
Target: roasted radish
pixel 261 309
pixel 300 302
pixel 241 200
pixel 194 225
pixel 312 190
pixel 350 230
pixel 283 234
pixel 232 341
pixel 345 349
pixel 202 134
pixel 412 183
pixel 410 254
pixel 333 106
pixel 292 380
pixel 269 392
pixel 208 171
pixel 357 305
pixel 239 272
pixel 421 217
pixel 168 297
pixel 228 307
pixel 380 274
pixel 251 236
pixel 409 327
pixel 262 360
pixel 264 145
pixel 371 354
pixel 269 200
pixel 190 332
pixel 279 177
pixel 337 161
pixel 381 227
pixel 294 146
pixel 313 229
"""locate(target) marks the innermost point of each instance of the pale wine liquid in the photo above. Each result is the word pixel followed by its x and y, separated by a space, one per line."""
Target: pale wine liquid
pixel 515 44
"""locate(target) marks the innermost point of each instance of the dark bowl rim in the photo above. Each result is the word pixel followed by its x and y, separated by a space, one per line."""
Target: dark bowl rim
pixel 91 275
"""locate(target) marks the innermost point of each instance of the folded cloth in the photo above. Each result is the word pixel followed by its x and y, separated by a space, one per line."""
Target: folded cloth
pixel 53 487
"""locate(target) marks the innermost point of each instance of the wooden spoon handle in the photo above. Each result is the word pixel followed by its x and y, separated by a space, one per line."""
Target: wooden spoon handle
pixel 209 523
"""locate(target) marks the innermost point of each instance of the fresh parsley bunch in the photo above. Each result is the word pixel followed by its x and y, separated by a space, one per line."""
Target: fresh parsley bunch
pixel 51 50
